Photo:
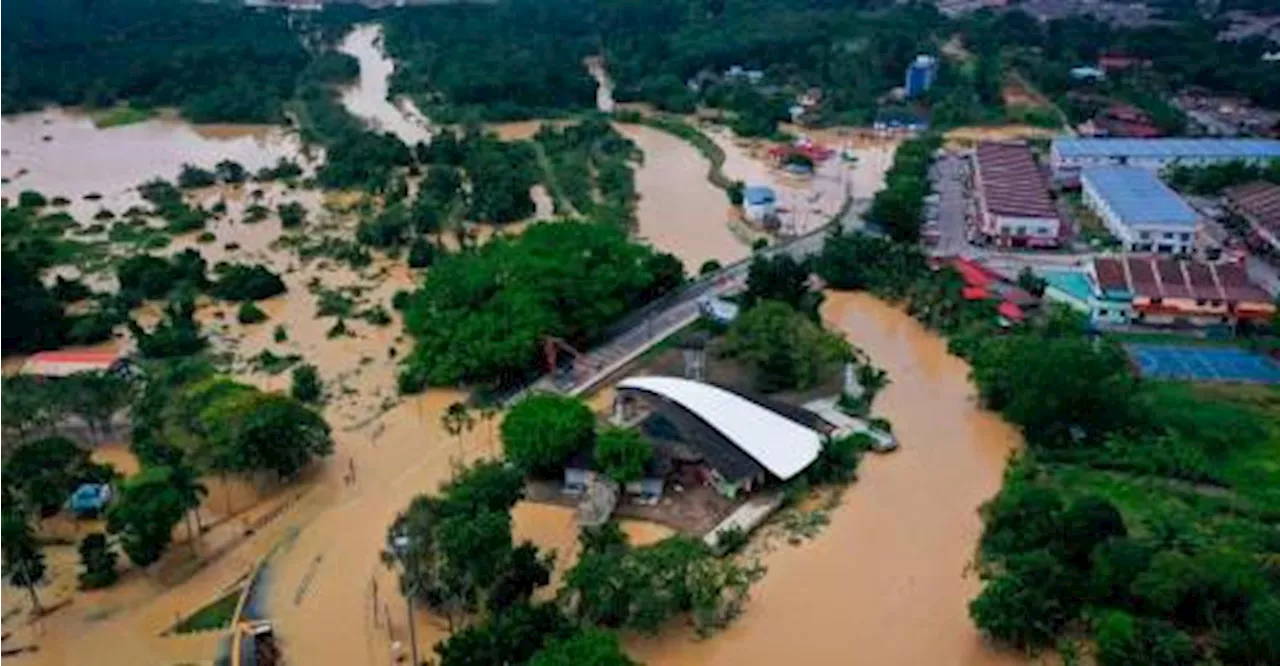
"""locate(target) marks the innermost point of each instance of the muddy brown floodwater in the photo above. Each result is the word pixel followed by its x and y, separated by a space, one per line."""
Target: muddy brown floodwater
pixel 885 582
pixel 370 98
pixel 679 211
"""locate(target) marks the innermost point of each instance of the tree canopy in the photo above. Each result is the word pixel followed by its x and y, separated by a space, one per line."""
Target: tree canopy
pixel 485 314
pixel 542 431
pixel 785 349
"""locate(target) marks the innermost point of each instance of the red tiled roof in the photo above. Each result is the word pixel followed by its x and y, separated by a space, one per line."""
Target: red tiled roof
pixel 1010 311
pixel 1258 201
pixel 973 293
pixel 974 274
pixel 1110 274
pixel 1162 277
pixel 1011 182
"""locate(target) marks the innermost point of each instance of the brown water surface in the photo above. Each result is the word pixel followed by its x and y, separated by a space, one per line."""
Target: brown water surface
pixel 370 99
pixel 885 582
pixel 679 211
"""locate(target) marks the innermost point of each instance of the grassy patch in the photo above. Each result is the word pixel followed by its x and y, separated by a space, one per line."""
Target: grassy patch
pixel 120 115
pixel 216 615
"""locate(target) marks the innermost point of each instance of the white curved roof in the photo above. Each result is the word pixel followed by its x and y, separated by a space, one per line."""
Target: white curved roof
pixel 779 444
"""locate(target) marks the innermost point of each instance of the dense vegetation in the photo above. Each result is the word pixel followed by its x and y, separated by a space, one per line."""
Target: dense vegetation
pixel 216 61
pixel 589 169
pixel 898 208
pixel 1212 179
pixel 485 313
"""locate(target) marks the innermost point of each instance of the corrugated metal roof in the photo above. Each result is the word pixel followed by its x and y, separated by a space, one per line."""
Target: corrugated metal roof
pixel 1011 182
pixel 1163 277
pixel 1138 197
pixel 1170 148
pixel 779 444
pixel 757 195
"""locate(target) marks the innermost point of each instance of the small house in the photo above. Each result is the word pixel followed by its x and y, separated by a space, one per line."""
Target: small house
pixel 759 203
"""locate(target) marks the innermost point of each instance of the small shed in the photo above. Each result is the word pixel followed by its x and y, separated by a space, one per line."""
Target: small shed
pixel 759 202
pixel 58 364
pixel 89 499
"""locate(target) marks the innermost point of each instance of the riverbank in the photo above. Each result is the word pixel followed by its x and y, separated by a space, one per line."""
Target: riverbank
pixel 894 557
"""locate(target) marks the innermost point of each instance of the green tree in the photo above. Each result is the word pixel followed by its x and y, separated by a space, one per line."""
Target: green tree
pixel 306 384
pixel 292 214
pixel 41 474
pixel 457 420
pixel 1028 603
pixel 510 637
pixel 149 506
pixel 735 193
pixel 622 453
pixel 239 282
pixel 587 647
pixel 96 397
pixel 99 562
pixel 641 588
pixel 177 335
pixel 708 267
pixel 1032 283
pixel 785 349
pixel 265 431
pixel 248 313
pixel 1124 640
pixel 1023 517
pixel 23 560
pixel 783 279
pixel 1089 521
pixel 542 431
pixel 28 406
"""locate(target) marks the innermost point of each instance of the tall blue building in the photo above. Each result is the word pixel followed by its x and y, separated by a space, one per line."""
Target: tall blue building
pixel 920 75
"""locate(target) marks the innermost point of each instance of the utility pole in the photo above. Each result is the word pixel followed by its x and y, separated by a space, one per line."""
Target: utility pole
pixel 413 631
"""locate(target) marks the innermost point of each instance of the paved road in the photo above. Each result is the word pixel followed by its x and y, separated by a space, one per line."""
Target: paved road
pixel 950 174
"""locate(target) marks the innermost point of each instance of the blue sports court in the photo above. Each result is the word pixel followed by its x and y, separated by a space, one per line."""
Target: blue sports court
pixel 1210 364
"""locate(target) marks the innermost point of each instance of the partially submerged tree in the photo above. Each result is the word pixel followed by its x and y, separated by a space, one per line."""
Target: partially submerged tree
pixel 622 453
pixel 542 431
pixel 99 562
pixel 149 506
pixel 23 560
pixel 785 349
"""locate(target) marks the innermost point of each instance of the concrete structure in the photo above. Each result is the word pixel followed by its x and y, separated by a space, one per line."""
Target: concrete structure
pixel 67 363
pixel 1162 291
pixel 733 443
pixel 1069 155
pixel 921 74
pixel 759 203
pixel 1068 287
pixel 1013 201
pixel 1258 204
pixel 1139 210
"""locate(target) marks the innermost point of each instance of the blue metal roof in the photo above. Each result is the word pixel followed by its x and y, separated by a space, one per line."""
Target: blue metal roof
pixel 1168 148
pixel 757 195
pixel 1138 197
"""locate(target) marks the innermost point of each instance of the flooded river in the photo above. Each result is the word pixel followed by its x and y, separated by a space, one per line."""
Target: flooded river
pixel 79 158
pixel 370 99
pixel 885 582
pixel 679 211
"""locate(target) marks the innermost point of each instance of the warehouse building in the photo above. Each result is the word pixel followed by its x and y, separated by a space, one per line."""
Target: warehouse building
pixel 1014 205
pixel 1162 291
pixel 1139 210
pixel 1069 156
pixel 1258 204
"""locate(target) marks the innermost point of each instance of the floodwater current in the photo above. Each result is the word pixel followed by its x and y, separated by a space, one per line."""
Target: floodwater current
pixel 886 581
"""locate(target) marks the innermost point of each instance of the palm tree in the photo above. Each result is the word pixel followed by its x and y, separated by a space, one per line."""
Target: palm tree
pixel 187 484
pixel 23 560
pixel 488 413
pixel 456 419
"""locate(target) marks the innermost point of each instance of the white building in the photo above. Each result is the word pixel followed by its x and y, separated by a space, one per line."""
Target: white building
pixel 1139 210
pixel 1069 156
pixel 759 203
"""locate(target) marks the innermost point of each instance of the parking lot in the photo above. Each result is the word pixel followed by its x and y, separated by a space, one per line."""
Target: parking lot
pixel 945 209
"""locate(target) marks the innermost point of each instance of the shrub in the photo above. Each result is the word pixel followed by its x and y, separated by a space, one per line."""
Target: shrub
pixel 239 282
pixel 250 314
pixel 421 254
pixel 292 214
pixel 306 384
pixel 31 199
pixel 99 562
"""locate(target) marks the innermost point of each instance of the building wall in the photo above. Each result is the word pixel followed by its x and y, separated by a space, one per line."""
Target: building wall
pixel 1106 310
pixel 1011 229
pixel 758 212
pixel 1148 237
pixel 1065 168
